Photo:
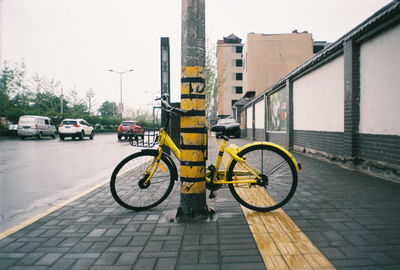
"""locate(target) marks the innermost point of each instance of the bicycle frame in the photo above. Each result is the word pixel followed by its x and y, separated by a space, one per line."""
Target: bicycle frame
pixel 241 177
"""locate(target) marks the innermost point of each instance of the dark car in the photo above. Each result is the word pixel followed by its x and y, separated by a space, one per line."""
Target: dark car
pixel 227 127
pixel 130 128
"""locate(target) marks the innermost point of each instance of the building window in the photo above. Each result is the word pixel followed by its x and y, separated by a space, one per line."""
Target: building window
pixel 239 62
pixel 239 49
pixel 233 102
pixel 239 76
pixel 238 90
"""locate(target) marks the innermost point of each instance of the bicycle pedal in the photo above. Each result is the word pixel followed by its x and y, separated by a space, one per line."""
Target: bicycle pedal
pixel 212 195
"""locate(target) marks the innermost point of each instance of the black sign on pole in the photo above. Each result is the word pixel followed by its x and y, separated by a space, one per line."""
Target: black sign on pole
pixel 165 75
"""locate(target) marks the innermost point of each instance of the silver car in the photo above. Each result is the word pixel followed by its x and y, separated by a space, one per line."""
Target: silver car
pixel 38 126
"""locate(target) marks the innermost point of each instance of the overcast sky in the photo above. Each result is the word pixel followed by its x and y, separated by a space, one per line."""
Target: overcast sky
pixel 76 42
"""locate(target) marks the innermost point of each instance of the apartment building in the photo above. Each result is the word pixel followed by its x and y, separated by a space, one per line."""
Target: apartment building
pixel 246 70
pixel 229 73
pixel 269 57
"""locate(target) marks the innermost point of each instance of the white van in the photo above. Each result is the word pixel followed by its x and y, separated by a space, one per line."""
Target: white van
pixel 39 126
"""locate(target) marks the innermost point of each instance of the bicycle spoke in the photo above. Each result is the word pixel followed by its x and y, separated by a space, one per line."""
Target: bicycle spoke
pixel 276 181
pixel 132 187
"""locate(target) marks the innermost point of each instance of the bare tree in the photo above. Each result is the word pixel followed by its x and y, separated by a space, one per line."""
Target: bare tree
pixel 212 82
pixel 90 100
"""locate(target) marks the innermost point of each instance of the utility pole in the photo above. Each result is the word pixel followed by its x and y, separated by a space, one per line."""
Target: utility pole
pixel 193 125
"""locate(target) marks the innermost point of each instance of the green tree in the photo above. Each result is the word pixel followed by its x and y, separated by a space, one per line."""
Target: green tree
pixel 12 82
pixel 108 109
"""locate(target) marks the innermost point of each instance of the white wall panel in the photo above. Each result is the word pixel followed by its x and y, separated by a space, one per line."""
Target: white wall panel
pixel 318 98
pixel 260 114
pixel 249 119
pixel 380 84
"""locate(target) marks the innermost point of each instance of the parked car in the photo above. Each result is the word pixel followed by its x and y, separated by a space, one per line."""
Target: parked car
pixel 75 128
pixel 130 128
pixel 227 127
pixel 33 125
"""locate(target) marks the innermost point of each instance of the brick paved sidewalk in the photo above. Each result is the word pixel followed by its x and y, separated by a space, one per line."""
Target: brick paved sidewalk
pixel 354 219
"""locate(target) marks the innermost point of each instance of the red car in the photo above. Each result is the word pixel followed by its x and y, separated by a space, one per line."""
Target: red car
pixel 130 128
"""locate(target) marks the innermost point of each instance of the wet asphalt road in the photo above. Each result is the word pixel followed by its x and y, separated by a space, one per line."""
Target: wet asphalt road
pixel 36 174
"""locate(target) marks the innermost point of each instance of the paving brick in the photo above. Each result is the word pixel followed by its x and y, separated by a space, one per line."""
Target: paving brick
pixel 154 246
pixel 147 227
pixel 139 241
pixel 121 241
pixel 107 258
pixel 30 258
pixel 353 262
pixel 112 232
pixel 189 257
pixel 241 259
pixel 96 233
pixel 191 240
pixel 209 257
pixel 127 258
pixel 380 258
pixel 13 247
pixel 171 245
pixel 161 231
pixel 82 255
pixel 48 259
pixel 23 267
pixel 200 247
pixel 198 267
pixel 351 252
pixel 211 239
pixel 333 253
pixel 62 264
pixel 98 247
pixel 241 266
pixel 159 254
pixel 145 264
pixel 6 263
pixel 108 267
pixel 165 264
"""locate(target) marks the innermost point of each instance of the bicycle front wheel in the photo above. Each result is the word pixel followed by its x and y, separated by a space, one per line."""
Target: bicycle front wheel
pixel 277 178
pixel 128 186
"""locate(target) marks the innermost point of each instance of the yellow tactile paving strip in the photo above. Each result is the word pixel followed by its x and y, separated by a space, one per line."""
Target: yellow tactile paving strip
pixel 283 246
pixel 281 243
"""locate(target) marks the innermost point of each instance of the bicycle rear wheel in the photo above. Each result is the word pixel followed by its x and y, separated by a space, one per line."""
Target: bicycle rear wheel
pixel 278 178
pixel 127 181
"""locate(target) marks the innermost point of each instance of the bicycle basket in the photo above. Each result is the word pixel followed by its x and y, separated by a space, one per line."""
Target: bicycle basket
pixel 145 138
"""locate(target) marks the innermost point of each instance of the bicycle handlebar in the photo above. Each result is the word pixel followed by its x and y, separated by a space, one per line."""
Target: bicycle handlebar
pixel 168 108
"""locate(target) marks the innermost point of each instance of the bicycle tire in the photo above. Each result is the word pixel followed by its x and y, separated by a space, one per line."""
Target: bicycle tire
pixel 276 189
pixel 125 182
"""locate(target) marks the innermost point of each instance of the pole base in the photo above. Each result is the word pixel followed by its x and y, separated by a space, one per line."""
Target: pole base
pixel 204 214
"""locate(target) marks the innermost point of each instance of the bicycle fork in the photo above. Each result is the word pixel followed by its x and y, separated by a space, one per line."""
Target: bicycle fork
pixel 152 168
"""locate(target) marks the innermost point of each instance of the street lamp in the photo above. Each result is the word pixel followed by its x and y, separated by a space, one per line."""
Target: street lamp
pixel 121 105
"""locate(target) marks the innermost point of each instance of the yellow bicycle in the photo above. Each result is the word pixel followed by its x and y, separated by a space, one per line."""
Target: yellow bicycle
pixel 261 176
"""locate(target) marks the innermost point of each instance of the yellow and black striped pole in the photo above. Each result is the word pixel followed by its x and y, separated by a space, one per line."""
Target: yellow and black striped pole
pixel 193 124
